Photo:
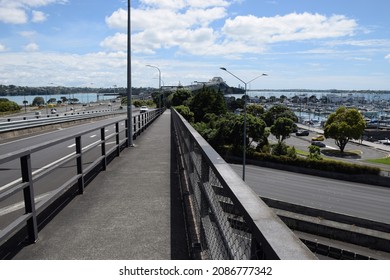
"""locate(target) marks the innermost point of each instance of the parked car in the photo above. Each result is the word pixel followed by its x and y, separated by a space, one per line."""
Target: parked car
pixel 318 144
pixel 53 111
pixel 302 133
pixel 318 138
pixel 143 109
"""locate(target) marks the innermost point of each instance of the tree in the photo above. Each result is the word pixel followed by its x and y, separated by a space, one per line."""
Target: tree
pixel 8 106
pixel 38 101
pixel 207 101
pixel 52 101
pixel 255 109
pixel 344 125
pixel 232 130
pixel 180 97
pixel 185 112
pixel 314 152
pixel 278 111
pixel 282 128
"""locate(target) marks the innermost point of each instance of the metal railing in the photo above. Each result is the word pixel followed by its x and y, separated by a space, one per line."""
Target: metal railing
pixel 232 222
pixel 25 185
pixel 50 120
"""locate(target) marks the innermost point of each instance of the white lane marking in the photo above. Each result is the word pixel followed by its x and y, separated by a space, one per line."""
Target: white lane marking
pixel 18 181
pixel 20 205
pixel 71 146
pixel 93 136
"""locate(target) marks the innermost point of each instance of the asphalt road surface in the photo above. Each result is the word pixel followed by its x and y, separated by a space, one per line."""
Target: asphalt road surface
pixel 10 171
pixel 360 200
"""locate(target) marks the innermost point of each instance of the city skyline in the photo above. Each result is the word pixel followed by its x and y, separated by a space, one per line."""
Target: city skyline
pixel 299 44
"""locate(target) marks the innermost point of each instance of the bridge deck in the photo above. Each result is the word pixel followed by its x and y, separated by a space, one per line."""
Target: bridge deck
pixel 130 211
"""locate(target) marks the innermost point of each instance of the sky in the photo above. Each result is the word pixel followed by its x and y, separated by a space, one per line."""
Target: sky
pixel 299 44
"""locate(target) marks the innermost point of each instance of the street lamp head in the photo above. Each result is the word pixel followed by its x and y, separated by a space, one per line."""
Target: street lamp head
pixel 223 68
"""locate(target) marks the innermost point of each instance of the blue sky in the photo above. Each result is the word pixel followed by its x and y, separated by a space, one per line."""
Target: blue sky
pixel 311 44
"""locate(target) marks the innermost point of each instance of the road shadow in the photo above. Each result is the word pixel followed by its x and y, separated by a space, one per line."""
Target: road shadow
pixel 338 154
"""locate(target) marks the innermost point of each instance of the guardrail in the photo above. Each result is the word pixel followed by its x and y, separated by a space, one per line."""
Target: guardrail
pixel 25 185
pixel 6 126
pixel 231 221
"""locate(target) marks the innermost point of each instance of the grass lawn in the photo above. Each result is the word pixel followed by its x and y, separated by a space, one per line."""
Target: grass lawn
pixel 385 160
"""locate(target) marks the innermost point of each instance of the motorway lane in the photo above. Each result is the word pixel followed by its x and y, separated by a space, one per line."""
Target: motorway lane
pixel 9 172
pixel 361 200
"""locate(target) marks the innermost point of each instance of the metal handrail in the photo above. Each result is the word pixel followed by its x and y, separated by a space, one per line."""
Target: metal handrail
pixel 235 223
pixel 40 121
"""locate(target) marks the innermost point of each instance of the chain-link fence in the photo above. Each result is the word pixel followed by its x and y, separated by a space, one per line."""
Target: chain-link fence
pixel 232 222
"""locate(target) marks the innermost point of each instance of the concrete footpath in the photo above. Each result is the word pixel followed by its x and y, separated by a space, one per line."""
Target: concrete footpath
pixel 130 211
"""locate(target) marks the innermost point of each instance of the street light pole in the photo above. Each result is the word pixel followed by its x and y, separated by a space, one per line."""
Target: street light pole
pixel 245 102
pixel 159 83
pixel 129 101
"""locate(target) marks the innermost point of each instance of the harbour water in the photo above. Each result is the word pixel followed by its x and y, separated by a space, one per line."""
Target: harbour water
pixel 81 97
pixel 373 105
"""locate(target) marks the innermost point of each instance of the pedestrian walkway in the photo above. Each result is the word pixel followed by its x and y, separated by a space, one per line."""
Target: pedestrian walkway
pixel 130 211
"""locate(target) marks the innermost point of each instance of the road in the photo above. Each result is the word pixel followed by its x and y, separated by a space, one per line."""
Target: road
pixel 32 112
pixel 41 160
pixel 361 200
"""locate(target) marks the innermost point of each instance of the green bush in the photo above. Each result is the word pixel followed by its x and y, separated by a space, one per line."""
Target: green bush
pixel 8 106
pixel 328 165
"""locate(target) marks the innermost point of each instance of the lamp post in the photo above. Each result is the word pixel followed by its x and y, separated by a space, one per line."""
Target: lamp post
pixel 129 101
pixel 159 83
pixel 245 97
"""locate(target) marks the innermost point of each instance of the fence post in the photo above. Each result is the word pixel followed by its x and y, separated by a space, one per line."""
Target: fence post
pixel 103 147
pixel 28 193
pixel 118 148
pixel 80 164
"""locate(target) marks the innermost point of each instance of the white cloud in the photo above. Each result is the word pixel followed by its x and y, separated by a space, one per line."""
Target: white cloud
pixel 27 34
pixel 38 16
pixel 187 26
pixel 118 19
pixel 12 15
pixel 387 57
pixel 32 47
pixel 291 27
pixel 360 43
pixel 118 42
pixel 15 11
pixel 181 4
pixel 35 68
pixel 2 48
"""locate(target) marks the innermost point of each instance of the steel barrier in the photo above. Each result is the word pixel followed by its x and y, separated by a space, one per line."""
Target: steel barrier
pixel 25 185
pixel 231 221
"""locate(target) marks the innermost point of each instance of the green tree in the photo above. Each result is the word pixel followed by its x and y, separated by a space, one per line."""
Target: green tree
pixel 180 97
pixel 232 129
pixel 344 125
pixel 52 101
pixel 38 101
pixel 277 111
pixel 314 152
pixel 8 106
pixel 280 149
pixel 186 113
pixel 282 128
pixel 207 101
pixel 255 109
